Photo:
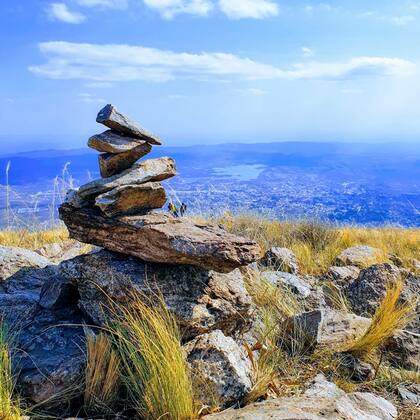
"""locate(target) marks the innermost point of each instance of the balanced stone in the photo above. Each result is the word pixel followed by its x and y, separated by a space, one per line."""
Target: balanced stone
pixel 132 199
pixel 111 164
pixel 112 142
pixel 159 237
pixel 149 170
pixel 110 117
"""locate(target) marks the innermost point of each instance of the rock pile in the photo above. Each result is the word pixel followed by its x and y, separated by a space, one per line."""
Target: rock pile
pixel 115 211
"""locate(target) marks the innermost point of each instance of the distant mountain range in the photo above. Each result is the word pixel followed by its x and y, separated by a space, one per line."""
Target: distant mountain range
pixel 357 183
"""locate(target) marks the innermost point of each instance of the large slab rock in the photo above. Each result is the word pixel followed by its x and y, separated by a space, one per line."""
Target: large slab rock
pixel 159 237
pixel 326 327
pixel 220 368
pixel 113 142
pixel 147 171
pixel 359 256
pixel 111 164
pixel 355 406
pixel 112 118
pixel 132 199
pixel 282 259
pixel 202 300
pixel 13 259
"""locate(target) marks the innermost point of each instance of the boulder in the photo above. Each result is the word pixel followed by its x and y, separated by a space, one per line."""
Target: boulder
pixel 366 293
pixel 112 118
pixel 132 199
pixel 359 256
pixel 355 406
pixel 342 276
pixel 51 355
pixel 321 388
pixel 111 164
pixel 60 251
pixel 13 259
pixel 355 369
pixel 113 142
pixel 16 308
pixel 202 300
pixel 280 279
pixel 140 173
pixel 282 259
pixel 221 369
pixel 409 393
pixel 162 238
pixel 326 327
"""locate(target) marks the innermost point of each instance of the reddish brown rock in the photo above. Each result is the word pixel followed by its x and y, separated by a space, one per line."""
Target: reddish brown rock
pixel 132 199
pixel 110 117
pixel 112 164
pixel 158 237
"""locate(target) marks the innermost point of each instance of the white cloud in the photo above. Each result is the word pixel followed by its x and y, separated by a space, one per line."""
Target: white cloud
pixel 255 9
pixel 59 11
pixel 320 7
pixel 104 4
pixel 252 91
pixel 307 52
pixel 168 9
pixel 402 20
pixel 99 85
pixel 90 99
pixel 113 63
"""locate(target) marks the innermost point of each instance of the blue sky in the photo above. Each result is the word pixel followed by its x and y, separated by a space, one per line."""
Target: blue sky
pixel 209 71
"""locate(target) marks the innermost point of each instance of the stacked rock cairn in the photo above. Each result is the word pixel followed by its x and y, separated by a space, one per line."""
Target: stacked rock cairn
pixel 116 211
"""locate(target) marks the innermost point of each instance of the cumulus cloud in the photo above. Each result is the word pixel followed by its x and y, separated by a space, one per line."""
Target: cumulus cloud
pixel 114 63
pixel 104 4
pixel 254 9
pixel 307 52
pixel 168 9
pixel 59 11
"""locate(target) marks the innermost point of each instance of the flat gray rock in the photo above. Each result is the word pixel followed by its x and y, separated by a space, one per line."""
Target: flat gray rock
pixel 359 256
pixel 132 199
pixel 112 118
pixel 147 171
pixel 294 283
pixel 113 142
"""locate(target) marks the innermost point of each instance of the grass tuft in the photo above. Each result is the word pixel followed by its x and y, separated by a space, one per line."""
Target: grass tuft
pixel 9 406
pixel 154 368
pixel 102 374
pixel 390 317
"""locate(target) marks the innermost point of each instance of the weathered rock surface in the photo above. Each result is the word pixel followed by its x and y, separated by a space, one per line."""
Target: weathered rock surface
pixel 359 256
pixel 147 171
pixel 342 276
pixel 355 406
pixel 409 393
pixel 132 199
pixel 51 355
pixel 355 369
pixel 281 279
pixel 60 251
pixel 327 327
pixel 13 259
pixel 113 142
pixel 161 238
pixel 202 300
pixel 282 259
pixel 220 367
pixel 320 387
pixel 111 164
pixel 366 293
pixel 112 118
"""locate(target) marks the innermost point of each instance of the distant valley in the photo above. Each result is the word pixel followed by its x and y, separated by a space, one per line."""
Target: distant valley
pixel 344 183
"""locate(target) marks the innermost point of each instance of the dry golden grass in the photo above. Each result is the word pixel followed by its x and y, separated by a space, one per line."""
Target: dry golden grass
pixel 390 317
pixel 9 406
pixel 154 368
pixel 316 244
pixel 32 239
pixel 102 375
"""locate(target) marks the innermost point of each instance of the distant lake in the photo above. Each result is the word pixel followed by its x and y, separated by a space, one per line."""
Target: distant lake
pixel 241 172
